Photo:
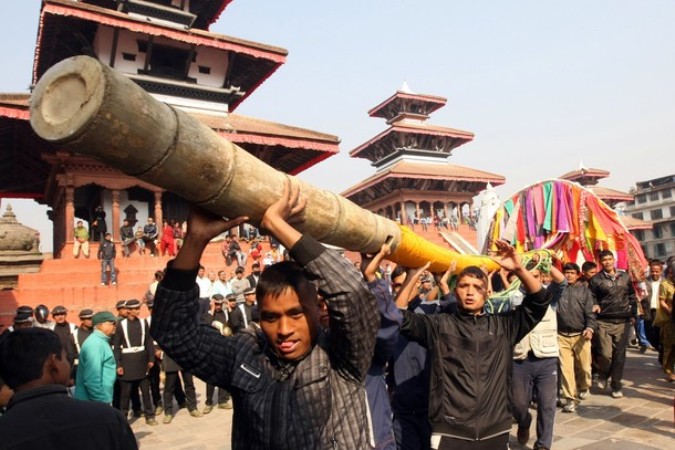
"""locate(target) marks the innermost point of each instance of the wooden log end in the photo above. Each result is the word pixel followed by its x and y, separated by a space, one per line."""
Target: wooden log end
pixel 66 98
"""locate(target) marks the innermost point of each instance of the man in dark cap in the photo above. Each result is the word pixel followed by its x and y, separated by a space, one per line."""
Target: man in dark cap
pixel 97 367
pixel 135 356
pixel 33 363
pixel 219 320
pixel 122 311
pixel 20 321
pixel 241 316
pixel 220 315
pixel 25 310
pixel 64 330
pixel 80 334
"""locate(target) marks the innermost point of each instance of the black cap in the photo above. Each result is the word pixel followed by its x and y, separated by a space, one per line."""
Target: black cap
pixel 133 304
pixel 24 310
pixel 23 318
pixel 150 303
pixel 86 314
pixel 121 304
pixel 231 297
pixel 249 291
pixel 59 310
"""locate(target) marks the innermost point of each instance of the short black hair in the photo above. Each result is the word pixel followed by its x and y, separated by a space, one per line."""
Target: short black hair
pixel 571 266
pixel 588 265
pixel 473 272
pixel 604 253
pixel 277 278
pixel 655 262
pixel 23 354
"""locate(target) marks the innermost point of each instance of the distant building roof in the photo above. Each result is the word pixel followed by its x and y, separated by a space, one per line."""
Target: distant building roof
pixel 611 194
pixel 585 176
pixel 631 223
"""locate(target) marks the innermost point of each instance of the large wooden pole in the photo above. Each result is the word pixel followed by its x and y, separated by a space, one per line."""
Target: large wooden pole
pixel 86 107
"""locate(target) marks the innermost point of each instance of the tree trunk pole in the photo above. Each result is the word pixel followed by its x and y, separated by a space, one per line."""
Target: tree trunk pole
pixel 84 106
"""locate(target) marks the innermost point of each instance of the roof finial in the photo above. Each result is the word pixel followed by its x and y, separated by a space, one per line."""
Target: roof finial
pixel 405 88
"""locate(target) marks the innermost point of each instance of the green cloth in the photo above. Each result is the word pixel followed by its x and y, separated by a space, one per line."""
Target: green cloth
pixel 81 234
pixel 548 206
pixel 97 370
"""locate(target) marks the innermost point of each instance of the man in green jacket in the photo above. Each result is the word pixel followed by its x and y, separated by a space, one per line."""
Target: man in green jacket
pixel 97 369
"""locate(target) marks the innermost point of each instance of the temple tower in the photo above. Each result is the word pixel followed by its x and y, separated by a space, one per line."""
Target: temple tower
pixel 414 179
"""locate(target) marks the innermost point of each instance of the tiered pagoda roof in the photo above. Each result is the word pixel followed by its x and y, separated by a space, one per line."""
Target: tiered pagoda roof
pixel 412 155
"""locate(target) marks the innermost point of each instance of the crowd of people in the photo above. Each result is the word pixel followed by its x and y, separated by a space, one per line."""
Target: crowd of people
pixel 313 351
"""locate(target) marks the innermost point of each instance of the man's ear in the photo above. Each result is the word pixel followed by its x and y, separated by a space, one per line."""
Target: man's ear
pixel 50 368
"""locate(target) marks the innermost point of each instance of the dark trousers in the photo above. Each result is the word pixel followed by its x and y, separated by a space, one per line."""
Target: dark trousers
pixel 412 431
pixel 540 374
pixel 127 387
pixel 500 442
pixel 135 398
pixel 223 395
pixel 153 378
pixel 170 383
pixel 613 340
pixel 653 333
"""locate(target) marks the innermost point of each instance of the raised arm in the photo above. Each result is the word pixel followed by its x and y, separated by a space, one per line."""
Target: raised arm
pixel 405 295
pixel 390 316
pixel 198 348
pixel 536 300
pixel 353 314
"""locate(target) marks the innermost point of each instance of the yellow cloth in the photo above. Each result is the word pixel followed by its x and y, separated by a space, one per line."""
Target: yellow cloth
pixel 414 251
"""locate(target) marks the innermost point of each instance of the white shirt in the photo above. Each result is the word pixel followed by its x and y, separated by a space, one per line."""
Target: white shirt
pixel 204 287
pixel 654 301
pixel 221 288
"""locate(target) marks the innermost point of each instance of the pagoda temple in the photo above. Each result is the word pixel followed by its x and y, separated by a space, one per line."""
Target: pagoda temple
pixel 165 47
pixel 413 178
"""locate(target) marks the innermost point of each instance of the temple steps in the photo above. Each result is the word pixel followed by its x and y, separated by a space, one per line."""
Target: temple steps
pixel 76 282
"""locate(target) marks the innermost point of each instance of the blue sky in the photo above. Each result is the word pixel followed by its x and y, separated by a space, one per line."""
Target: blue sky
pixel 542 84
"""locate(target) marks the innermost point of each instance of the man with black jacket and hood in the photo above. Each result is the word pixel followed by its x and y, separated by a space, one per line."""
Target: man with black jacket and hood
pixel 472 358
